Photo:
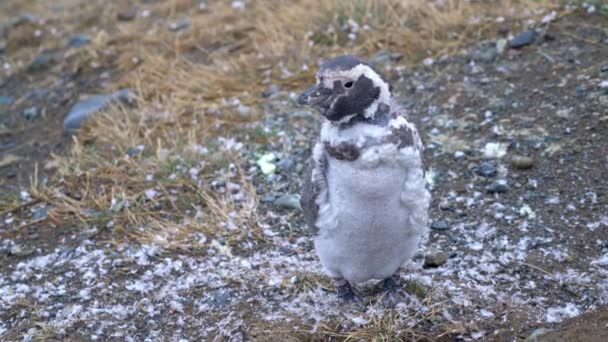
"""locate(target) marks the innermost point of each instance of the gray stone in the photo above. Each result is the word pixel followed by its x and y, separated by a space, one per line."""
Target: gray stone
pixel 288 201
pixel 497 187
pixel 78 40
pixel 83 109
pixel 440 225
pixel 41 62
pixel 268 198
pixel 2 47
pixel 6 100
pixel 384 56
pixel 522 39
pixel 39 213
pixel 285 164
pixel 219 298
pixel 273 89
pixel 179 25
pixel 501 45
pixel 21 251
pixel 486 54
pixel 604 68
pixel 522 162
pixel 537 333
pixel 435 259
pixel 486 169
pixel 30 113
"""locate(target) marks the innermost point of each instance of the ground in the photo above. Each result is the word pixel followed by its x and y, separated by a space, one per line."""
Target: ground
pixel 160 221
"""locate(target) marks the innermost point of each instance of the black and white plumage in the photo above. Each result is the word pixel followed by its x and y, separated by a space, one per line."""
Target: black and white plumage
pixel 364 197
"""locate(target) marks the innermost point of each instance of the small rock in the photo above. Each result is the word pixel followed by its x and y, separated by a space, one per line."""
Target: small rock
pixel 288 201
pixel 604 68
pixel 440 225
pixel 285 164
pixel 78 40
pixel 537 333
pixel 126 15
pixel 486 54
pixel 83 109
pixel 135 150
pixel 384 56
pixel 20 251
pixel 219 298
pixel 179 25
pixel 435 259
pixel 2 47
pixel 268 198
pixel 39 213
pixel 568 259
pixel 501 46
pixel 243 110
pixel 5 100
pixel 497 187
pixel 522 162
pixel 486 169
pixel 30 113
pixel 273 89
pixel 522 39
pixel 40 63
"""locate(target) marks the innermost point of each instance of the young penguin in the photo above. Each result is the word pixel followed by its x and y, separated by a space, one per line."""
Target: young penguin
pixel 364 197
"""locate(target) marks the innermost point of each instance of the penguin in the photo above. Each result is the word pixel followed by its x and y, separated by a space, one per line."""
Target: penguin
pixel 364 196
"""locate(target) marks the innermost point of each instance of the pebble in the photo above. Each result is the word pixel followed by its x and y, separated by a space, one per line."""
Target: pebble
pixel 522 39
pixel 179 25
pixel 78 40
pixel 435 259
pixel 220 298
pixel 384 56
pixel 497 187
pixel 273 89
pixel 537 333
pixel 20 251
pixel 522 162
pixel 604 68
pixel 486 54
pixel 501 46
pixel 40 63
pixel 288 201
pixel 83 109
pixel 268 198
pixel 486 169
pixel 6 100
pixel 440 225
pixel 126 15
pixel 30 113
pixel 285 164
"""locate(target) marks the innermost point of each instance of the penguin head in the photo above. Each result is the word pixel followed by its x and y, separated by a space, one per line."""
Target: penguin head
pixel 347 87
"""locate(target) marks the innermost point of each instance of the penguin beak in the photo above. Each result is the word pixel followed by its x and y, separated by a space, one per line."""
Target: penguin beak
pixel 315 96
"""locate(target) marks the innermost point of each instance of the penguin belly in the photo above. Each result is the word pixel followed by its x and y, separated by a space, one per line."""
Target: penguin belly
pixel 366 231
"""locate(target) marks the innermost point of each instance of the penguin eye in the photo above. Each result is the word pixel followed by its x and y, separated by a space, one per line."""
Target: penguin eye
pixel 348 84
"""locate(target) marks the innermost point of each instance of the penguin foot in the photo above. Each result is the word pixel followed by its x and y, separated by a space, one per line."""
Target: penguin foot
pixel 344 290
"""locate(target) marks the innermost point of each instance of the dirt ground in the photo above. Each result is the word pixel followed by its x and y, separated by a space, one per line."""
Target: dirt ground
pixel 526 242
